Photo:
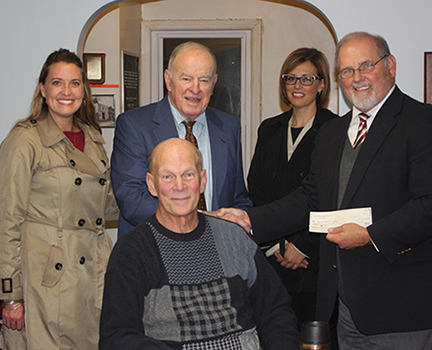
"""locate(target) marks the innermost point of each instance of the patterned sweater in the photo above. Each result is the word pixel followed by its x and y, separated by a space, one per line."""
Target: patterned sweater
pixel 208 289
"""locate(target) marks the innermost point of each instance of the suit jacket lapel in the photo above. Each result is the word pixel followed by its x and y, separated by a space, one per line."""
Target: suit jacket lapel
pixel 334 149
pixel 219 153
pixel 382 125
pixel 306 145
pixel 277 150
pixel 165 127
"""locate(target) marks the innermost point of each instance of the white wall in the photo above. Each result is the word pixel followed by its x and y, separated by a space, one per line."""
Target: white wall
pixel 30 29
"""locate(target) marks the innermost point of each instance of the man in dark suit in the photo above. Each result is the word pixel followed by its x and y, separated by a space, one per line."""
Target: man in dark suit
pixel 190 79
pixel 380 275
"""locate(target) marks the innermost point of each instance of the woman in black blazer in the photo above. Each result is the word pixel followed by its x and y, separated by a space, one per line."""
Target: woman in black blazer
pixel 282 160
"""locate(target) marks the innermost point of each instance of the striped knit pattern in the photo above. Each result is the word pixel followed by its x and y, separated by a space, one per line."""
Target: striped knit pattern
pixel 195 257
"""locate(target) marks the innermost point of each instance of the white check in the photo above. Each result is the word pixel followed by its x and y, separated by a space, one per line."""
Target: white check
pixel 321 221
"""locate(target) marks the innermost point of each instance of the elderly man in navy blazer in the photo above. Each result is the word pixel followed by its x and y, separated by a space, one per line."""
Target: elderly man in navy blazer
pixel 378 156
pixel 190 80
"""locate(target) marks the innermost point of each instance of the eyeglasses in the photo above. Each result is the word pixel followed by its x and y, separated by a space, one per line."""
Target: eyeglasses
pixel 305 80
pixel 364 68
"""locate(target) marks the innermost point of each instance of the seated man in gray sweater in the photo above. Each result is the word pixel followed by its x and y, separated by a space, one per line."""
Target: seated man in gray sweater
pixel 185 280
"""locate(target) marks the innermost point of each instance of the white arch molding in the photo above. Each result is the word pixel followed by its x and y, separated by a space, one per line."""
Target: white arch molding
pixel 109 6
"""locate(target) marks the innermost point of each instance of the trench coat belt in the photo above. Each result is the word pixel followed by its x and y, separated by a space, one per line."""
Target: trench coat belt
pixel 103 249
pixel 97 229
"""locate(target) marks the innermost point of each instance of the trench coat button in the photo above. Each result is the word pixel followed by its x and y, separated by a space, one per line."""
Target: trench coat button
pixel 334 266
pixel 78 181
pixel 103 162
pixel 58 266
pixel 99 221
pixel 33 121
pixel 81 222
pixel 82 260
pixel 102 182
pixel 302 174
pixel 72 162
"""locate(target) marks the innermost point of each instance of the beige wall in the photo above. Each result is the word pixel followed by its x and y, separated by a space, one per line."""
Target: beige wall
pixel 284 28
pixel 130 28
pixel 105 38
pixel 117 30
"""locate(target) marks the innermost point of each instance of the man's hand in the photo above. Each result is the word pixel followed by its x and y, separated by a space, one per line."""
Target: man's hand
pixel 292 258
pixel 238 216
pixel 13 318
pixel 349 236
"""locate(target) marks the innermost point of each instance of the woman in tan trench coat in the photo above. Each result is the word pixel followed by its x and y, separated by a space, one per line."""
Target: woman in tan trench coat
pixel 56 196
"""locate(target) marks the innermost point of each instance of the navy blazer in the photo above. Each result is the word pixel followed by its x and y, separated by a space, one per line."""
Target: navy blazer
pixel 389 290
pixel 138 131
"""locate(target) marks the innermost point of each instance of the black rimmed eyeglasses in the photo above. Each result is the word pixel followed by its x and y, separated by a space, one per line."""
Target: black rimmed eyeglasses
pixel 306 79
pixel 364 68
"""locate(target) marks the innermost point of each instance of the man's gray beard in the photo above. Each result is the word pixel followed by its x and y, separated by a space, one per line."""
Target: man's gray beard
pixel 362 104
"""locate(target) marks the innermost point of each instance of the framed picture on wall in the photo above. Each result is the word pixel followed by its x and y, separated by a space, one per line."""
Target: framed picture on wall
pixel 105 110
pixel 428 77
pixel 130 81
pixel 94 66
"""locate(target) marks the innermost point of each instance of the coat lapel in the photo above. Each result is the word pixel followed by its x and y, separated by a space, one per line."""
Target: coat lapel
pixel 219 153
pixel 333 151
pixel 306 145
pixel 165 127
pixel 279 147
pixel 91 161
pixel 382 125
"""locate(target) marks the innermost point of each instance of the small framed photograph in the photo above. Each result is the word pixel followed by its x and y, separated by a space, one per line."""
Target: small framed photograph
pixel 105 110
pixel 428 77
pixel 94 66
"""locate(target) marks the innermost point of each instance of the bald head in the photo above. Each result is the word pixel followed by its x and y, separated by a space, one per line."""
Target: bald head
pixel 177 146
pixel 191 46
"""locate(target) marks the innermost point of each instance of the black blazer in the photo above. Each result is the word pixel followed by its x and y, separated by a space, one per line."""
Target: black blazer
pixel 271 177
pixel 389 290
